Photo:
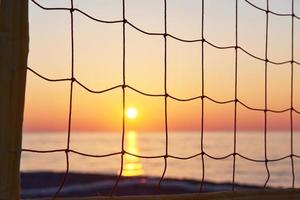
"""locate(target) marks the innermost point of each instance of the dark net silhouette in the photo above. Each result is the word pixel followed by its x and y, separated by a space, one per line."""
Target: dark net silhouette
pixel 235 100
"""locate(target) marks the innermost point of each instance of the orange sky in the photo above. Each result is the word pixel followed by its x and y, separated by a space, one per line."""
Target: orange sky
pixel 98 65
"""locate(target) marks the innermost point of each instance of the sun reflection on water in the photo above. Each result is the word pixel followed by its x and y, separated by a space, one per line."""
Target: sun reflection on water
pixel 132 165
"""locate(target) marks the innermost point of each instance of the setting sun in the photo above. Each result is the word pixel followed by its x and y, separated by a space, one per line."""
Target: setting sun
pixel 131 113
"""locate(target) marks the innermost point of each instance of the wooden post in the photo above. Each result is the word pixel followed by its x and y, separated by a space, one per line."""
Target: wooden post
pixel 14 40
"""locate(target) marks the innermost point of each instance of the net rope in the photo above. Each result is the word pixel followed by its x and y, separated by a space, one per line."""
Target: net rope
pixel 166 95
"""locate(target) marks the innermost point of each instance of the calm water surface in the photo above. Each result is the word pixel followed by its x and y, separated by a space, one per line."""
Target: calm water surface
pixel 181 144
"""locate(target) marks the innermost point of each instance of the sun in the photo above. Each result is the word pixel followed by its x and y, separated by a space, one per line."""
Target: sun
pixel 131 113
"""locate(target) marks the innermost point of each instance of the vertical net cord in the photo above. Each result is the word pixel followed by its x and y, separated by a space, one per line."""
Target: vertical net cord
pixel 266 95
pixel 202 96
pixel 70 103
pixel 123 96
pixel 235 93
pixel 292 96
pixel 166 95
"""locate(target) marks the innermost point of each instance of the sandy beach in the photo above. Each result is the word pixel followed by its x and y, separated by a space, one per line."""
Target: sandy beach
pixel 45 184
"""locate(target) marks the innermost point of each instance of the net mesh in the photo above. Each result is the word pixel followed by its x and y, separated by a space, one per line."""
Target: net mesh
pixel 204 98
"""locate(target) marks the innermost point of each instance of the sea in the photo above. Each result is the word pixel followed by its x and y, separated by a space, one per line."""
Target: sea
pixel 179 144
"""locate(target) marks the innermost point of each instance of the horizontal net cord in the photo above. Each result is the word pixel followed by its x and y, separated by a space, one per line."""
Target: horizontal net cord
pixel 184 40
pixel 163 95
pixel 272 12
pixel 162 155
pixel 117 21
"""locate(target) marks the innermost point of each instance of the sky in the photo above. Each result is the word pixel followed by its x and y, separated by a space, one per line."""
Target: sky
pixel 98 65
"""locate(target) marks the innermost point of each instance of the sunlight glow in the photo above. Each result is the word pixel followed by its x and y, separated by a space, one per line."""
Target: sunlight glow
pixel 132 165
pixel 131 113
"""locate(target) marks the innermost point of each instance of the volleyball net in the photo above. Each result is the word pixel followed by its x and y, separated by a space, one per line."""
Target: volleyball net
pixel 203 97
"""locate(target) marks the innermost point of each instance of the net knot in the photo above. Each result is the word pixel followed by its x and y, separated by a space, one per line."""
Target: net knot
pixel 72 10
pixel 73 79
pixel 265 110
pixel 124 86
pixel 166 35
pixel 125 21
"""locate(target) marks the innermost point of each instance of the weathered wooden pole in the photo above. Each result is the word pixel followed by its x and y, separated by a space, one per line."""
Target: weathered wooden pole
pixel 14 40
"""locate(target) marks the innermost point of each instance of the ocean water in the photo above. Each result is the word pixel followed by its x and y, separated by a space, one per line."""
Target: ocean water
pixel 181 144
